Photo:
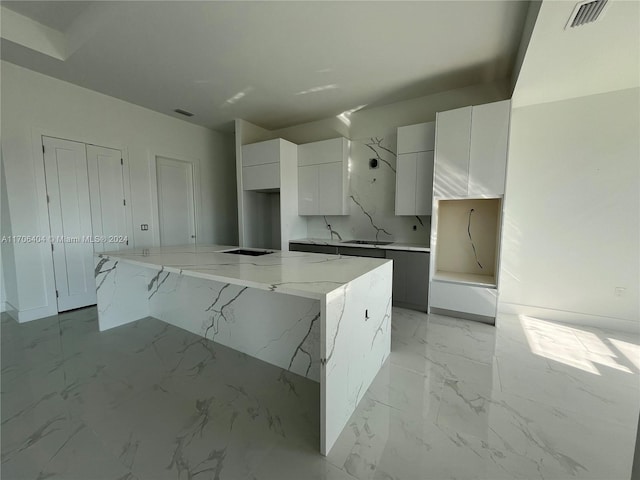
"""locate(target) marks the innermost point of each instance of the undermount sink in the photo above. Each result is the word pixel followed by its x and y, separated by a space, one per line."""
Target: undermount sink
pixel 367 242
pixel 252 253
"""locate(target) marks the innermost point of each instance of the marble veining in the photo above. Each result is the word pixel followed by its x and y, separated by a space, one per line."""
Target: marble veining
pixel 285 308
pixel 528 399
pixel 296 273
pixel 372 200
pixel 375 144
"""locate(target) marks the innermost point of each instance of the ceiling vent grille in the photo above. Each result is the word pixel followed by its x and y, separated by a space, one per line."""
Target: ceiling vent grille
pixel 183 112
pixel 586 12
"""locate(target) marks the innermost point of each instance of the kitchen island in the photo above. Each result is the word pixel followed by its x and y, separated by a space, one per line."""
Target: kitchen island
pixel 325 317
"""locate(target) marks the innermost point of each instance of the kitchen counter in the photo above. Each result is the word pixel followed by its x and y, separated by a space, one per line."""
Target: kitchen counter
pixel 294 273
pixel 410 247
pixel 325 317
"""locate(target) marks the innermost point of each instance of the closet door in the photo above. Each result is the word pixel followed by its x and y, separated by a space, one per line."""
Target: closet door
pixel 108 198
pixel 67 183
pixel 176 202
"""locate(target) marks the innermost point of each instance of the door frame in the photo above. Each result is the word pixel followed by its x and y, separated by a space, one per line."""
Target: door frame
pixel 44 249
pixel 153 176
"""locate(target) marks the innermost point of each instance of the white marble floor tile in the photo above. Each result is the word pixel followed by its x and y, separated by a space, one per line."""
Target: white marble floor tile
pixel 407 391
pixel 527 399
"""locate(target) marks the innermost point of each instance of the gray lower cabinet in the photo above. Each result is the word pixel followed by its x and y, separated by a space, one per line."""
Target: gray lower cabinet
pixel 410 270
pixel 361 252
pixel 307 247
pixel 410 278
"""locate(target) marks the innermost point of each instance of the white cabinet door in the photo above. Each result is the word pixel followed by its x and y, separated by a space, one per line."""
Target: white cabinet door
pixel 323 177
pixel 330 189
pixel 308 190
pixel 108 199
pixel 406 184
pixel 261 177
pixel 424 183
pixel 464 298
pixel 416 138
pixel 325 151
pixel 261 152
pixel 414 183
pixel 453 134
pixel 488 153
pixel 67 181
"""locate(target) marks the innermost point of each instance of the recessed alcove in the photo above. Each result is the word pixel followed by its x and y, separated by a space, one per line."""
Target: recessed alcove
pixel 468 241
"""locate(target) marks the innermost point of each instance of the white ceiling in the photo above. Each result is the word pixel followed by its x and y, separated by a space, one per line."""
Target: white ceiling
pixel 273 63
pixel 57 15
pixel 594 58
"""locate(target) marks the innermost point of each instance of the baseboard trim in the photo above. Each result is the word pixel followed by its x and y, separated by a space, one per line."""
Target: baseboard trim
pixel 463 315
pixel 410 306
pixel 574 318
pixel 11 311
pixel 22 316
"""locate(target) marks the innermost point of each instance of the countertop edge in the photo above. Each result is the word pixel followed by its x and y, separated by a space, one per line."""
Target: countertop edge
pixel 338 243
pixel 277 288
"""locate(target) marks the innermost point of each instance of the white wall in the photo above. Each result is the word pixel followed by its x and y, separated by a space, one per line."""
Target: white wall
pixel 572 218
pixel 34 104
pixel 562 63
pixel 6 249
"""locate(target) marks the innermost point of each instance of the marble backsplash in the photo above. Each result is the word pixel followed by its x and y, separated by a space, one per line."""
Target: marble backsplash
pixel 372 200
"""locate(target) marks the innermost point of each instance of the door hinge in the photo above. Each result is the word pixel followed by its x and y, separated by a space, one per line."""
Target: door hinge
pixel 52 247
pixel 127 242
pixel 42 148
pixel 57 294
pixel 124 202
pixel 48 199
pixel 121 161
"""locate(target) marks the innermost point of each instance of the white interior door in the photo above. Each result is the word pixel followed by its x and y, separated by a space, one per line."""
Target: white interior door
pixel 176 206
pixel 108 198
pixel 67 183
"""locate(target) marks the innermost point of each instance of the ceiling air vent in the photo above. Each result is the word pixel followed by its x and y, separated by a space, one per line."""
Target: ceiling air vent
pixel 183 112
pixel 586 12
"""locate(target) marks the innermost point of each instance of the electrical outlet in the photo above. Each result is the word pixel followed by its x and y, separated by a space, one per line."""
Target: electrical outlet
pixel 144 226
pixel 619 291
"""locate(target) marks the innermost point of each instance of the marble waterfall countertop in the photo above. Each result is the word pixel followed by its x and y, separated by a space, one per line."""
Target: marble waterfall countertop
pixel 309 275
pixel 412 247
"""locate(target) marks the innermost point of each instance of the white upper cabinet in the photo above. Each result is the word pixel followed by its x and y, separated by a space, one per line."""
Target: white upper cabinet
pixel 488 155
pixel 406 183
pixel 471 151
pixel 424 182
pixel 261 165
pixel 416 138
pixel 323 179
pixel 453 135
pixel 261 177
pixel 261 153
pixel 308 190
pixel 325 151
pixel 414 177
pixel 414 169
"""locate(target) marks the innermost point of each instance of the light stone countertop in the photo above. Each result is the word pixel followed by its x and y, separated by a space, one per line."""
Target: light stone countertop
pixel 309 275
pixel 411 247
